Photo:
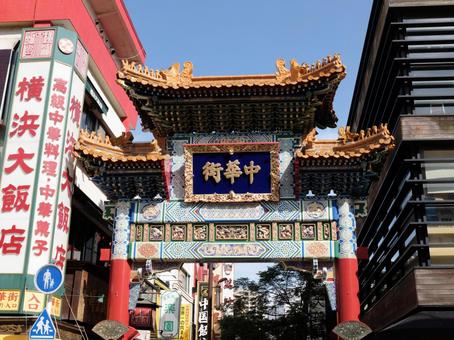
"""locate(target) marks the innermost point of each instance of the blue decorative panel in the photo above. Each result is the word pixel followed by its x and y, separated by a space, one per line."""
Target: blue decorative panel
pixel 234 251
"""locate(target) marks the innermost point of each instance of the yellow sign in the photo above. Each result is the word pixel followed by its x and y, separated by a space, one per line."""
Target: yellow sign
pixel 56 306
pixel 185 322
pixel 9 300
pixel 33 301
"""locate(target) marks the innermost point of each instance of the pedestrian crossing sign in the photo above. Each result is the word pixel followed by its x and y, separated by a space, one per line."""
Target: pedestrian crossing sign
pixel 43 328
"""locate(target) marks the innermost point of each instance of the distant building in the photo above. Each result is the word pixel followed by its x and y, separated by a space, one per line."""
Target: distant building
pixel 406 79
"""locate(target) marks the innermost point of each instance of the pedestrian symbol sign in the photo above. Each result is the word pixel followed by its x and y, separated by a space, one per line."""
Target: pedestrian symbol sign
pixel 48 279
pixel 43 328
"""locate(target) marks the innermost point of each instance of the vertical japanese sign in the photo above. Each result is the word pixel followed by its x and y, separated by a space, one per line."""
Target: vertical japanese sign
pixel 169 321
pixel 20 163
pixel 185 322
pixel 37 168
pixel 203 314
pixel 49 166
pixel 67 170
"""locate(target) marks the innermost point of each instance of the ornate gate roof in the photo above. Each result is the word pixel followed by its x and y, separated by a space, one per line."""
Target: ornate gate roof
pixel 295 99
pixel 346 165
pixel 122 169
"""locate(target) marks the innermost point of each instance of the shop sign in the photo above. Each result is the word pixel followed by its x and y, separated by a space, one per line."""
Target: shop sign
pixel 141 317
pixel 235 172
pixel 20 162
pixel 33 301
pixel 9 300
pixel 185 322
pixel 55 309
pixel 37 44
pixel 48 168
pixel 67 170
pixel 204 313
pixel 169 320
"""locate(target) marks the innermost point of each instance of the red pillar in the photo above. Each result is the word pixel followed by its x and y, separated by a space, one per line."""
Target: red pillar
pixel 118 296
pixel 347 286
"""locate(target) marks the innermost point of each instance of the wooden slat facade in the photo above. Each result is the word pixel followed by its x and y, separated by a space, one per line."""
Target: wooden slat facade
pixel 419 289
pixel 405 80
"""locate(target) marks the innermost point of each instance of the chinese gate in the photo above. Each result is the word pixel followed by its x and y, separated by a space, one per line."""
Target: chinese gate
pixel 236 174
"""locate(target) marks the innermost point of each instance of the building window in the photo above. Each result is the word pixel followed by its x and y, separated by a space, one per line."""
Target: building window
pixel 184 280
pixel 8 64
pixel 439 175
pixel 91 117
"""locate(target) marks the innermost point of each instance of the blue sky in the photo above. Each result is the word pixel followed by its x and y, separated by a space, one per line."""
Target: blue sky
pixel 247 36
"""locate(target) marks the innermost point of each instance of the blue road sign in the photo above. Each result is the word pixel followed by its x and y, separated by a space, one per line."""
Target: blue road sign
pixel 48 279
pixel 43 328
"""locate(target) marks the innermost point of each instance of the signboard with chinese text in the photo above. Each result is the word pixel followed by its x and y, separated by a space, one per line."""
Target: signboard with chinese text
pixel 37 166
pixel 37 44
pixel 169 320
pixel 203 313
pixel 55 309
pixel 20 161
pixel 10 300
pixel 232 172
pixel 61 232
pixel 185 322
pixel 33 301
pixel 48 168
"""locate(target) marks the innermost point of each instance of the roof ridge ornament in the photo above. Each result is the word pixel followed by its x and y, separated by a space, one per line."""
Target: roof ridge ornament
pixel 297 72
pixel 117 149
pixel 172 77
pixel 348 144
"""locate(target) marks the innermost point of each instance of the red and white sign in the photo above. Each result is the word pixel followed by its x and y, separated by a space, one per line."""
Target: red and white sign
pixel 81 61
pixel 49 168
pixel 61 232
pixel 20 165
pixel 37 44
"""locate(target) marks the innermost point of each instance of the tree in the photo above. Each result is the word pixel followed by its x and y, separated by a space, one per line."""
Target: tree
pixel 283 304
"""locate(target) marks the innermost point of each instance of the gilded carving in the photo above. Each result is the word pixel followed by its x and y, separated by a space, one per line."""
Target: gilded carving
pixel 178 232
pixel 285 231
pixel 200 232
pixel 326 231
pixel 137 232
pixel 232 232
pixel 190 149
pixel 308 231
pixel 156 232
pixel 333 230
pixel 263 231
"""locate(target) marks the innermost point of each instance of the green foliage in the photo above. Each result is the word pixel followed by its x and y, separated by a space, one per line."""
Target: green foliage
pixel 279 306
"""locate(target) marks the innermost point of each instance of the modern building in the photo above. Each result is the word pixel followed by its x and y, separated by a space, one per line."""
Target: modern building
pixel 406 79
